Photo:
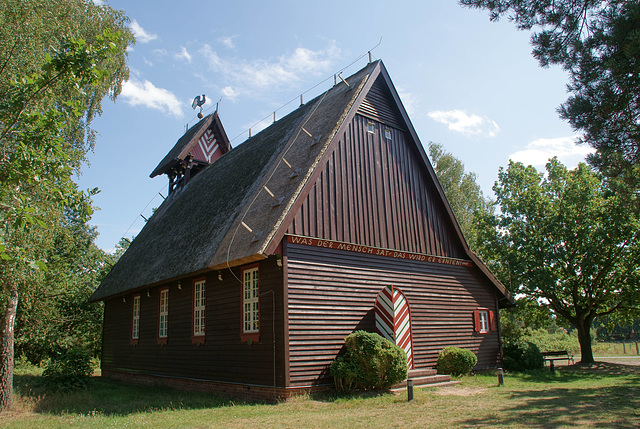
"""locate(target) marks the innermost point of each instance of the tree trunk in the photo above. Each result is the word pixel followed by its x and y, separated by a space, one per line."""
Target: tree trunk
pixel 6 350
pixel 584 337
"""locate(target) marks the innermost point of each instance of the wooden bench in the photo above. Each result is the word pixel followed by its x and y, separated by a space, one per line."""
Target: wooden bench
pixel 557 355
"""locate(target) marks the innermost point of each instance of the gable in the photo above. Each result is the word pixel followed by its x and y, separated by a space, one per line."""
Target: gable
pixel 375 191
pixel 204 143
pixel 378 105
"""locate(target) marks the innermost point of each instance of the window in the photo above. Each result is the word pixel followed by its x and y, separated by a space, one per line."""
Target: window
pixel 371 127
pixel 199 301
pixel 250 304
pixel 163 316
pixel 484 320
pixel 387 133
pixel 135 320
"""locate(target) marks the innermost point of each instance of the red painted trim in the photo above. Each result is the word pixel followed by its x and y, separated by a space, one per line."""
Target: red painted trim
pixel 246 337
pixel 134 341
pixel 378 251
pixel 493 323
pixel 198 339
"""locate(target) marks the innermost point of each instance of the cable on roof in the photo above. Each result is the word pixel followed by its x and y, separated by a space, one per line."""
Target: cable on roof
pixel 142 211
pixel 282 159
pixel 297 97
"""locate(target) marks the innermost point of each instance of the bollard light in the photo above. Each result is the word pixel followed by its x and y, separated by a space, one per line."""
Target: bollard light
pixel 410 389
pixel 500 377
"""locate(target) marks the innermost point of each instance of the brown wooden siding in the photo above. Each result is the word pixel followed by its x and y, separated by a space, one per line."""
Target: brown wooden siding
pixel 331 293
pixel 375 192
pixel 223 357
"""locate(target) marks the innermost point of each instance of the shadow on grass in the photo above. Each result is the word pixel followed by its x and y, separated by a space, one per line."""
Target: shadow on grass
pixel 109 397
pixel 577 372
pixel 617 405
pixel 335 396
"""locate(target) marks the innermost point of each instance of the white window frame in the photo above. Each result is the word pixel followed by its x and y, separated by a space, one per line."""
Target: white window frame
pixel 199 308
pixel 483 316
pixel 371 127
pixel 163 314
pixel 135 318
pixel 250 300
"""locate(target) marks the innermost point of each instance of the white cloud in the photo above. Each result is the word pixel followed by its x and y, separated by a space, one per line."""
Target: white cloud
pixel 140 34
pixel 148 95
pixel 260 76
pixel 147 62
pixel 228 41
pixel 229 93
pixel 183 54
pixel 408 101
pixel 468 124
pixel 538 152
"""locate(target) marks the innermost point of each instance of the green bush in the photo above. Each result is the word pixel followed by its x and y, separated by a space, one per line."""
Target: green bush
pixel 551 341
pixel 371 362
pixel 522 356
pixel 456 361
pixel 68 371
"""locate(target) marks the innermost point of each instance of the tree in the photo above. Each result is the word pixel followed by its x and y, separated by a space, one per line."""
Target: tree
pixel 460 187
pixel 567 241
pixel 56 315
pixel 598 44
pixel 58 59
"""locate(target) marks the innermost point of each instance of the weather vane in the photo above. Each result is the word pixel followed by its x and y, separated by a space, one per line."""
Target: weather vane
pixel 199 102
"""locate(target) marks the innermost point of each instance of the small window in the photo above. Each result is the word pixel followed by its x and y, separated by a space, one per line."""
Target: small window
pixel 387 133
pixel 163 316
pixel 484 320
pixel 371 127
pixel 135 320
pixel 199 304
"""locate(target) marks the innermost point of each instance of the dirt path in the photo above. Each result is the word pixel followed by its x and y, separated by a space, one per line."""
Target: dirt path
pixel 624 360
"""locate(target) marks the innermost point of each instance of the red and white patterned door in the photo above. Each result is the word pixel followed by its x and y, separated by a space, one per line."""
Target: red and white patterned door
pixel 393 320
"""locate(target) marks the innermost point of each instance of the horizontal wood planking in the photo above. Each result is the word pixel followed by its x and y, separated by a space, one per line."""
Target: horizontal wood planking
pixel 223 357
pixel 378 104
pixel 376 192
pixel 331 293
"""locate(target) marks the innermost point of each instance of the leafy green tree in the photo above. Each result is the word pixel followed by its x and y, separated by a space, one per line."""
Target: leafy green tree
pixel 567 241
pixel 58 60
pixel 598 44
pixel 59 317
pixel 461 189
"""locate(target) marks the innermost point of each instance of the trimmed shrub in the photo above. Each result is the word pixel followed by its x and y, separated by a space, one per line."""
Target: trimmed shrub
pixel 522 356
pixel 456 361
pixel 69 371
pixel 371 362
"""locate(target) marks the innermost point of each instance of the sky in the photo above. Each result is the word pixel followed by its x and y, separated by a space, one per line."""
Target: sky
pixel 468 84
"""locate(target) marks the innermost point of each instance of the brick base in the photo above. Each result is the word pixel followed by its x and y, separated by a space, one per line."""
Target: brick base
pixel 251 392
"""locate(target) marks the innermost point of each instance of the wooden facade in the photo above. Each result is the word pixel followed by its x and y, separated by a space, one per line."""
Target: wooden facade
pixel 363 211
pixel 221 356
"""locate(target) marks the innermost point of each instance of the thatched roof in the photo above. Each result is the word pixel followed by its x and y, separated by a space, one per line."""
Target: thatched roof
pixel 199 226
pixel 204 225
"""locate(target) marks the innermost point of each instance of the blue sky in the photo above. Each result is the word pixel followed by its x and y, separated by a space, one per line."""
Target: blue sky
pixel 467 83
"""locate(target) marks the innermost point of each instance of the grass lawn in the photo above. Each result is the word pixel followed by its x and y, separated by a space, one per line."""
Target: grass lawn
pixel 604 394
